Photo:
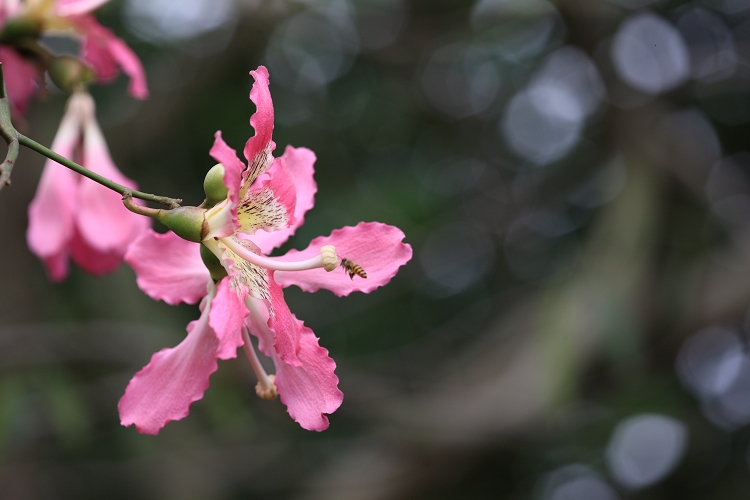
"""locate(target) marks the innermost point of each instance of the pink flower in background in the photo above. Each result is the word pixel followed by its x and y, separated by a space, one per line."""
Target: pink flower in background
pixel 107 55
pixel 104 52
pixel 266 203
pixel 100 48
pixel 72 217
pixel 77 7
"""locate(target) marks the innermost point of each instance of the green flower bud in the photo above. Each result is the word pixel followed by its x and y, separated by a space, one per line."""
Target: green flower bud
pixel 189 223
pixel 213 185
pixel 213 264
pixel 68 73
pixel 19 27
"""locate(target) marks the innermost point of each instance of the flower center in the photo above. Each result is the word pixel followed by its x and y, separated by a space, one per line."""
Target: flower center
pixel 219 220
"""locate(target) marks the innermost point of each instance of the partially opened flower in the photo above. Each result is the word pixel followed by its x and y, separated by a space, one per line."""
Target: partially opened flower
pixel 252 209
pixel 72 217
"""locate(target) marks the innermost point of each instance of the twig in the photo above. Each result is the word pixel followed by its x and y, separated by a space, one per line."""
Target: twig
pixel 32 144
pixel 9 134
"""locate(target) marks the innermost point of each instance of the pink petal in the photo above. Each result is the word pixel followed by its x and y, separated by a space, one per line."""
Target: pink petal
pixel 8 9
pixel 93 260
pixel 76 7
pixel 164 389
pixel 287 331
pixel 57 265
pixel 375 246
pixel 103 221
pixel 51 212
pixel 106 54
pixel 233 168
pixel 21 78
pixel 228 312
pixel 168 268
pixel 51 223
pixel 95 48
pixel 131 66
pixel 262 121
pixel 309 390
pixel 299 163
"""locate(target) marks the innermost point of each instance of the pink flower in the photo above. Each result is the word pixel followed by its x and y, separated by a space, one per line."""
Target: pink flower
pixel 72 216
pixel 105 53
pixel 100 48
pixel 242 294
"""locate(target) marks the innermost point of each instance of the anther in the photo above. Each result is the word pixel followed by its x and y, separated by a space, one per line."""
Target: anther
pixel 267 392
pixel 328 256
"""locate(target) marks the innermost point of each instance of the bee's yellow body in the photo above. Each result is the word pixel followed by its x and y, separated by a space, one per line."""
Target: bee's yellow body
pixel 352 268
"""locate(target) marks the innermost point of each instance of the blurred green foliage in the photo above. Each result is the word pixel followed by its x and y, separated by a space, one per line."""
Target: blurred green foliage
pixel 545 302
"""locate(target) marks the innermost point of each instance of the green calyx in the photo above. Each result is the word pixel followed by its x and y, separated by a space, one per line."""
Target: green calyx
pixel 213 264
pixel 213 185
pixel 189 223
pixel 69 73
pixel 20 27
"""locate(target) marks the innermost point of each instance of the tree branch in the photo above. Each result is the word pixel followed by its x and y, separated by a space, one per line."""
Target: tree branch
pixel 9 134
pixel 32 144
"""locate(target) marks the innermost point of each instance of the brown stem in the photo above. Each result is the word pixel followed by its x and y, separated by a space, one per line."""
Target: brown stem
pixel 130 204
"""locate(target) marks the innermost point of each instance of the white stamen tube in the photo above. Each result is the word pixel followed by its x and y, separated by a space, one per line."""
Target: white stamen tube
pixel 327 258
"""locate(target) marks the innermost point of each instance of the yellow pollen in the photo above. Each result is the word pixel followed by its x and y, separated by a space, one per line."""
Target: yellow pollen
pixel 329 258
pixel 265 392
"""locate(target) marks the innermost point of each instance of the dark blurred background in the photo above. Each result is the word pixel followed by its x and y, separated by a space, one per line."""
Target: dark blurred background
pixel 574 178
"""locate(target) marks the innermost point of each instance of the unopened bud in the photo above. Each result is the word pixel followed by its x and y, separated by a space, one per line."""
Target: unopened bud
pixel 213 185
pixel 68 73
pixel 213 264
pixel 187 222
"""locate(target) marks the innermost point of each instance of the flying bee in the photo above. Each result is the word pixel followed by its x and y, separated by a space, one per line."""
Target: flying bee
pixel 352 268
